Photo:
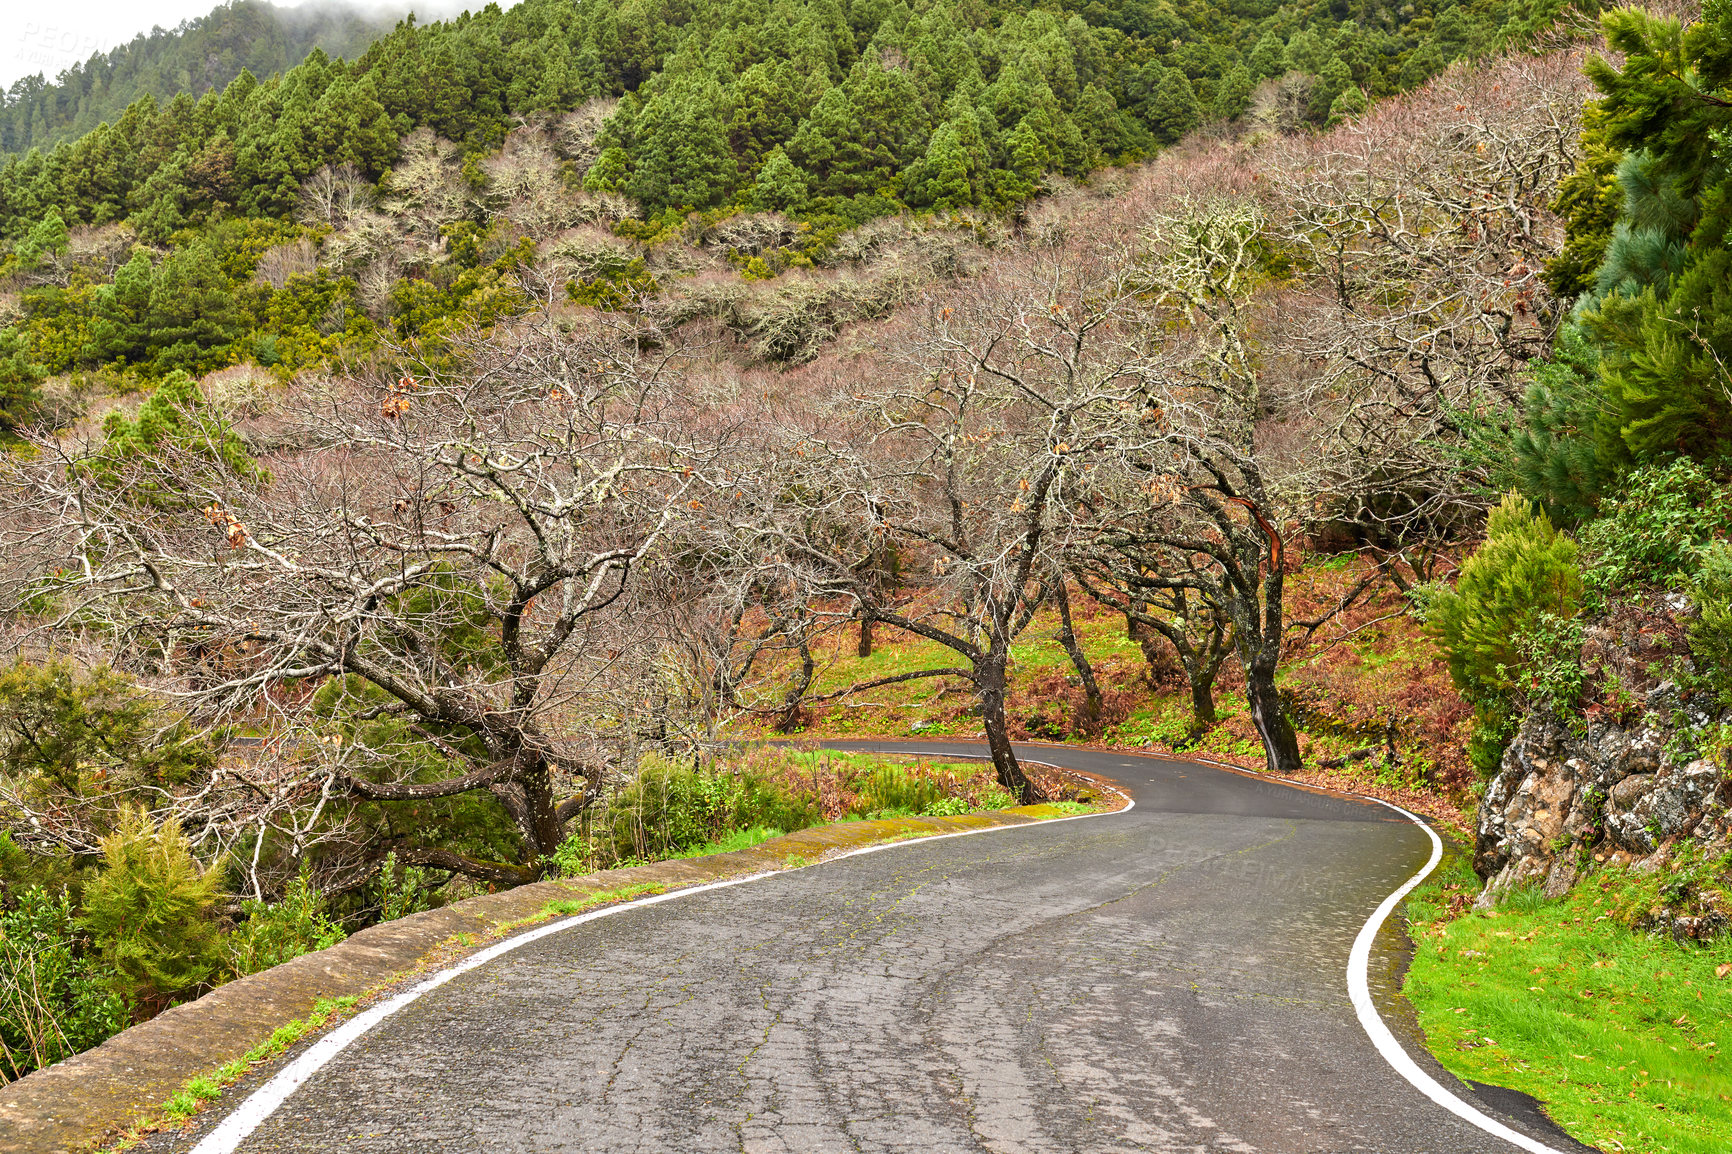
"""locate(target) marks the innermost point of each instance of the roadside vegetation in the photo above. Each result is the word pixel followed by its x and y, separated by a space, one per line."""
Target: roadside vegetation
pixel 671 811
pixel 1619 1031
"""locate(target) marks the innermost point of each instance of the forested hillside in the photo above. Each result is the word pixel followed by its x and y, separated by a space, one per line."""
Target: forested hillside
pixel 859 106
pixel 302 218
pixel 194 57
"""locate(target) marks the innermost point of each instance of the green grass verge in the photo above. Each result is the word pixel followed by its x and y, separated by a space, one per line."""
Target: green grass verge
pixel 1620 1034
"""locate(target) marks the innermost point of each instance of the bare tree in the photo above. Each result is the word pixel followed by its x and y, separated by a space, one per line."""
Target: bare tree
pixel 526 187
pixel 1421 231
pixel 1199 633
pixel 335 195
pixel 408 608
pixel 1187 507
pixel 957 459
pixel 1093 700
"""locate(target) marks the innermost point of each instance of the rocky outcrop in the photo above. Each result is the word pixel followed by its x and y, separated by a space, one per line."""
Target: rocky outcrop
pixel 1567 796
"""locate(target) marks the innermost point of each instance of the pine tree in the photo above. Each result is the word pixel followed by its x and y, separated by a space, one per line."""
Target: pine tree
pixel 1425 62
pixel 780 186
pixel 682 158
pixel 19 377
pixel 174 419
pixel 887 118
pixel 1333 79
pixel 192 313
pixel 44 243
pixel 1648 245
pixel 119 332
pixel 769 101
pixel 1589 200
pixel 1267 58
pixel 814 146
pixel 1350 103
pixel 1233 94
pixel 1306 52
pixel 609 171
pixel 1097 113
pixel 1172 109
pixel 1664 322
pixel 944 178
pixel 1567 452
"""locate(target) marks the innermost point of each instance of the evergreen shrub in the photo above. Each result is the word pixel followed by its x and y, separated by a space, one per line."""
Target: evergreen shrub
pixel 1525 569
pixel 1493 626
pixel 149 913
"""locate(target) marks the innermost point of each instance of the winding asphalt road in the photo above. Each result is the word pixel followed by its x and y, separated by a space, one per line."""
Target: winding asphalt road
pixel 1171 978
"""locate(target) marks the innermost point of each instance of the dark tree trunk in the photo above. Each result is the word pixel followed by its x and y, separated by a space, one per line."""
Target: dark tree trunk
pixel 1091 718
pixel 1280 743
pixel 1203 700
pixel 1146 641
pixel 791 710
pixel 865 649
pixel 1200 664
pixel 529 797
pixel 1259 621
pixel 990 680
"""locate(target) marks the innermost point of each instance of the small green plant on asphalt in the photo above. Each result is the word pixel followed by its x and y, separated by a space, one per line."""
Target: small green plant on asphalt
pixel 203 1089
pixel 567 907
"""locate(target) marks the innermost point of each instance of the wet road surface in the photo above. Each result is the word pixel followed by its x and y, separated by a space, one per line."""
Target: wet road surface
pixel 1171 978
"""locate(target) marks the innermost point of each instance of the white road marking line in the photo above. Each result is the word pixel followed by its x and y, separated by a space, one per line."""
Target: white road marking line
pixel 1359 989
pixel 1359 982
pixel 263 1102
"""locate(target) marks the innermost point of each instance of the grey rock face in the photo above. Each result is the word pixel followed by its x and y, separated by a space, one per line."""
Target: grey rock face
pixel 1562 796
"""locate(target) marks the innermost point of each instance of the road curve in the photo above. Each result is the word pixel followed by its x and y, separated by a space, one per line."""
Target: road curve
pixel 1171 978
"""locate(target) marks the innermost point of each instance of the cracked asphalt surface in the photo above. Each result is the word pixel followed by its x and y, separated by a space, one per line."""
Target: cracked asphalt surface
pixel 1171 978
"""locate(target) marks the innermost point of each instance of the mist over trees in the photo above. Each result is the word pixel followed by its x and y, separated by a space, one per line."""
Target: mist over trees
pixel 194 57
